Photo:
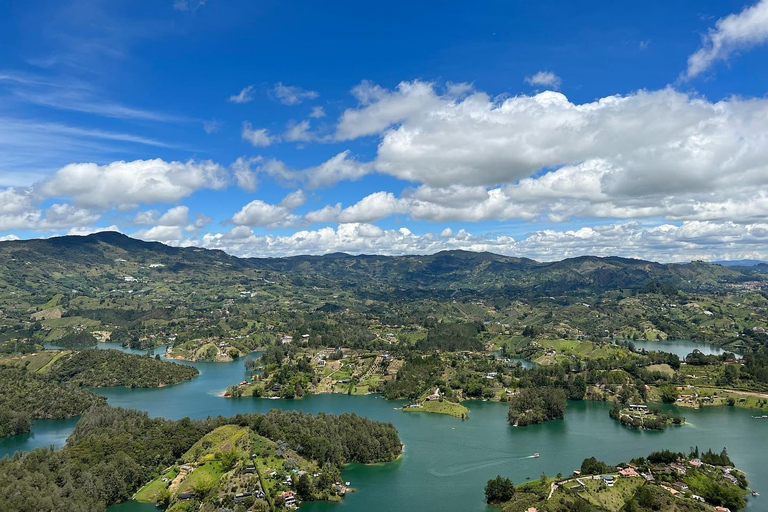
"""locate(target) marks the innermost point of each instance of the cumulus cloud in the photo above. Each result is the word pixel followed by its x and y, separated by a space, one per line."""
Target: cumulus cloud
pixel 545 79
pixel 244 96
pixel 9 238
pixel 258 137
pixel 259 213
pixel 292 95
pixel 59 216
pixel 294 199
pixel 176 216
pixel 299 132
pixel 341 167
pixel 651 151
pixel 735 32
pixel 317 112
pixel 690 240
pixel 124 185
pixel 245 173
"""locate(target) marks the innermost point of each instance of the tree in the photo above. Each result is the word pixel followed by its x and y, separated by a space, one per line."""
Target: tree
pixel 499 489
pixel 304 487
pixel 668 393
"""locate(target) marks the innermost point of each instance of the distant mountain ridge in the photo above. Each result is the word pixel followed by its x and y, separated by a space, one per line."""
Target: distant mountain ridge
pixel 92 261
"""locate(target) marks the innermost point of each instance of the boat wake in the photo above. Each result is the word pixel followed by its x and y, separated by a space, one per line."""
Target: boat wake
pixel 459 469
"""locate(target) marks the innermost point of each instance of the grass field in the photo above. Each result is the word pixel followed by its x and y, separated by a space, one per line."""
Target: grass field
pixel 150 492
pixel 438 407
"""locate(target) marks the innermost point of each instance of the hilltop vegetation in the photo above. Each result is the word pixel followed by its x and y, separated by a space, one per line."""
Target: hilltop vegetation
pixel 114 452
pixel 50 384
pixel 147 294
pixel 664 480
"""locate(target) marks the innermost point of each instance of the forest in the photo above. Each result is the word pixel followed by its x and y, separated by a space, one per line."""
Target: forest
pixel 113 451
pixel 52 384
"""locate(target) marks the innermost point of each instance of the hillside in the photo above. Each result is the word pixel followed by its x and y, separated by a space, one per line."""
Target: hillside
pixel 110 286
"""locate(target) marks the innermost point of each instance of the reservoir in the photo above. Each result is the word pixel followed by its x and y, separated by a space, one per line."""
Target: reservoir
pixel 446 461
pixel 680 348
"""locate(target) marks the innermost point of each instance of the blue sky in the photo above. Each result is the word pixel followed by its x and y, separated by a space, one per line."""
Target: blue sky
pixel 538 129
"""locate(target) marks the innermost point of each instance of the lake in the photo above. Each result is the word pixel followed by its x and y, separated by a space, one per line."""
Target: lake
pixel 680 348
pixel 446 460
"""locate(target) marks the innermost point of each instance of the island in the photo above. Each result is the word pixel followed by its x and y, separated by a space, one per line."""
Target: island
pixel 52 384
pixel 663 480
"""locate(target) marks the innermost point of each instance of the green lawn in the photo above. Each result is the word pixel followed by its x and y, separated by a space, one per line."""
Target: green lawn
pixel 150 492
pixel 438 407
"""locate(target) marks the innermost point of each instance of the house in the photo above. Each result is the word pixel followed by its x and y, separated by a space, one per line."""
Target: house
pixel 609 480
pixel 695 463
pixel 680 469
pixel 682 486
pixel 435 395
pixel 628 473
pixel 722 509
pixel 321 363
pixel 249 470
pixel 186 496
pixel 638 408
pixel 532 509
pixel 289 498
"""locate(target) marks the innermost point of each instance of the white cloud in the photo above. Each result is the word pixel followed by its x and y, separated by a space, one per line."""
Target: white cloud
pixel 690 240
pixel 258 137
pixel 9 238
pixel 245 174
pixel 89 230
pixel 259 213
pixel 299 132
pixel 544 78
pixel 124 185
pixel 244 96
pixel 317 112
pixel 380 108
pixel 735 32
pixel 292 95
pixel 294 199
pixel 176 216
pixel 59 216
pixel 663 150
pixel 188 5
pixel 211 126
pixel 146 218
pixel 167 234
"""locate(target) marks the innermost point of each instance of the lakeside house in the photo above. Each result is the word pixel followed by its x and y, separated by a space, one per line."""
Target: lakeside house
pixel 638 408
pixel 629 473
pixel 435 395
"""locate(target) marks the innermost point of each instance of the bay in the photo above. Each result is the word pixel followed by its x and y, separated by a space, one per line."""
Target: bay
pixel 447 461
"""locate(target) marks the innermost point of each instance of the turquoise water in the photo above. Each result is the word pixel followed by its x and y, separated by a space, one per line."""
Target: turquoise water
pixel 447 460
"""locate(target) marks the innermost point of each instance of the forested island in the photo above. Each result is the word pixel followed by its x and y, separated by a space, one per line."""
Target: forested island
pixel 663 480
pixel 256 460
pixel 51 384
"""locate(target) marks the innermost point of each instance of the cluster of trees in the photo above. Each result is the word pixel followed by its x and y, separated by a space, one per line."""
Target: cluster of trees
pixel 415 376
pixel 102 368
pixel 25 396
pixel 536 405
pixel 499 490
pixel 337 439
pixel 76 339
pixel 113 451
pixel 656 420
